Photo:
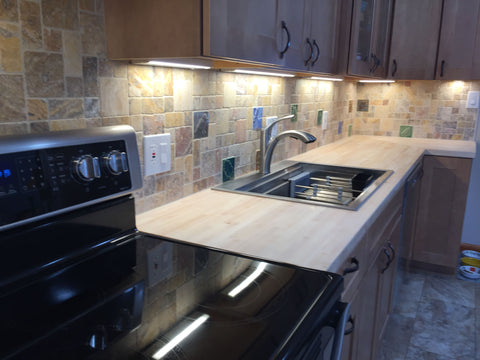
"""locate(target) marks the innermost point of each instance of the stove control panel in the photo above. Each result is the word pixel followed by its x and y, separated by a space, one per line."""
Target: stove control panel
pixel 38 182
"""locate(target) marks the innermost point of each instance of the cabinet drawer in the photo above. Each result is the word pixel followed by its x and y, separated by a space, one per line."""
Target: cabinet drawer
pixel 383 226
pixel 356 259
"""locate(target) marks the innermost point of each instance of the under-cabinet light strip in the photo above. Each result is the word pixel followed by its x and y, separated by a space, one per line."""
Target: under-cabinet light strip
pixel 177 65
pixel 377 81
pixel 325 78
pixel 254 72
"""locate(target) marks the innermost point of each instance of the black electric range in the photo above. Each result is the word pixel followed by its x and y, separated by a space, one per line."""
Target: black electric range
pixel 78 281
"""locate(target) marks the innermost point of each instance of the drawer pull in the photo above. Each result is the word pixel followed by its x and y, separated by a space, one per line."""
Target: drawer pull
pixel 348 331
pixel 393 250
pixel 389 260
pixel 287 46
pixel 355 267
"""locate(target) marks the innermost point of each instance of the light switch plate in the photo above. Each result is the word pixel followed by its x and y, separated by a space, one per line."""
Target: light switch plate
pixel 473 100
pixel 156 153
pixel 324 120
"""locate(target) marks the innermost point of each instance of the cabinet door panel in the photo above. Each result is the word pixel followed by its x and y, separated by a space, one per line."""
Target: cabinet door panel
pixel 381 40
pixel 243 30
pixel 458 40
pixel 441 209
pixel 324 30
pixel 362 28
pixel 416 27
pixel 293 14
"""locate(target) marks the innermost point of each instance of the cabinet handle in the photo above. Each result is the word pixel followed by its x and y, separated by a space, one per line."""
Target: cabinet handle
pixel 442 68
pixel 389 260
pixel 394 71
pixel 348 331
pixel 374 65
pixel 284 27
pixel 393 250
pixel 318 52
pixel 311 52
pixel 355 267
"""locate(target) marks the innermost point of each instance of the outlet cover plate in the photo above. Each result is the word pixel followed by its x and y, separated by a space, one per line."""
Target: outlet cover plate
pixel 156 153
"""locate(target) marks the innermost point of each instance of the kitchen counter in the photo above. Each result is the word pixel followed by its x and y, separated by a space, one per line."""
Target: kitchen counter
pixel 306 235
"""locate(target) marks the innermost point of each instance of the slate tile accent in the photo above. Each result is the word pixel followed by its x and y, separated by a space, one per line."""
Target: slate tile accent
pixel 12 101
pixel 228 168
pixel 200 124
pixel 362 105
pixel 8 10
pixel 31 26
pixel 90 76
pixel 92 108
pixel 61 14
pixel 74 86
pixel 44 74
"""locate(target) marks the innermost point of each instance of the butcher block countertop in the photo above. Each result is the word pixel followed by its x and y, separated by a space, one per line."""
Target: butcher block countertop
pixel 306 235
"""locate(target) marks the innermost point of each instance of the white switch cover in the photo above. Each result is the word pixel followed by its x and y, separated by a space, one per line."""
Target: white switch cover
pixel 324 120
pixel 473 99
pixel 274 129
pixel 156 153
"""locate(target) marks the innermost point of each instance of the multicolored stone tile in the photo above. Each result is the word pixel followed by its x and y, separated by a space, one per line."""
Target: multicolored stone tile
pixel 62 14
pixel 12 101
pixel 10 56
pixel 9 10
pixel 31 25
pixel 44 74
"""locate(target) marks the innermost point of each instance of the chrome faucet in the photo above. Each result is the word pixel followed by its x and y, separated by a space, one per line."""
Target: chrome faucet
pixel 267 147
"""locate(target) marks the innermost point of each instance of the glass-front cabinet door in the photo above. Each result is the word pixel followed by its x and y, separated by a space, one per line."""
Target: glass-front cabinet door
pixel 370 37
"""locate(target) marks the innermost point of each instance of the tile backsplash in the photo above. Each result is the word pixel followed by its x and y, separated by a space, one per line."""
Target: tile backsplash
pixel 54 75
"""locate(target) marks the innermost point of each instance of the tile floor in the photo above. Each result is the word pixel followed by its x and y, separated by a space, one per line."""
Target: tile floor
pixel 435 317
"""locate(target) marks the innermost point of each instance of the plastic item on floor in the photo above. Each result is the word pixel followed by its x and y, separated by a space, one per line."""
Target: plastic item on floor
pixel 470 272
pixel 469 261
pixel 471 253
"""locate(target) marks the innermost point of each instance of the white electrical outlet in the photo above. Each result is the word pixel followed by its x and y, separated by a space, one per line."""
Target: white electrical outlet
pixel 324 120
pixel 159 263
pixel 156 153
pixel 274 129
pixel 473 100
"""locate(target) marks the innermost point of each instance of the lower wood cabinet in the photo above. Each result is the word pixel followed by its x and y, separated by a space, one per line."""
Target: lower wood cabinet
pixel 441 208
pixel 370 293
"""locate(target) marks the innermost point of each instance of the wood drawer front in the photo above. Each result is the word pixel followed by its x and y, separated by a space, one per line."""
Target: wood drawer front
pixel 383 226
pixel 353 279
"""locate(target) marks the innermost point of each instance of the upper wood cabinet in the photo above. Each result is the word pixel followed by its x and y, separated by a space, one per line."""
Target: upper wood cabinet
pixel 413 51
pixel 299 35
pixel 459 46
pixel 370 35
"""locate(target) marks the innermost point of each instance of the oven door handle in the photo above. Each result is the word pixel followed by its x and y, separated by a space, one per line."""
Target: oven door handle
pixel 339 331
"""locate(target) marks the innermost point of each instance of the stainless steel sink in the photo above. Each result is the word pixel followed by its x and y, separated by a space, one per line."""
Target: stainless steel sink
pixel 327 185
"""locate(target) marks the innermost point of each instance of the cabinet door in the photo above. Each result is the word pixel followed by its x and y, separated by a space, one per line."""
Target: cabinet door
pixel 242 30
pixel 458 40
pixel 370 37
pixel 413 51
pixel 324 30
pixel 441 209
pixel 385 265
pixel 292 14
pixel 361 37
pixel 381 38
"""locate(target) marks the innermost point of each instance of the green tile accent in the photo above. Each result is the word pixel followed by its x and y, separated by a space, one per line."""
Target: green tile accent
pixel 294 111
pixel 350 130
pixel 406 131
pixel 319 117
pixel 362 105
pixel 228 168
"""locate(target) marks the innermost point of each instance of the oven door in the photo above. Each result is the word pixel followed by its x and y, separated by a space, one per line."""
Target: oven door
pixel 323 341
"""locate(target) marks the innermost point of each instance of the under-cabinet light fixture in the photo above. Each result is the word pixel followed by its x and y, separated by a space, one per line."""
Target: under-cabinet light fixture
pixel 180 337
pixel 250 279
pixel 377 81
pixel 177 65
pixel 325 78
pixel 266 73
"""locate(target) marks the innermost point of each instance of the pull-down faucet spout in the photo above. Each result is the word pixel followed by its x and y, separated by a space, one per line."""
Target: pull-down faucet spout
pixel 266 151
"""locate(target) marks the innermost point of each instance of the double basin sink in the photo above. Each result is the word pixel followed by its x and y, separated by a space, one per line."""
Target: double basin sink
pixel 327 185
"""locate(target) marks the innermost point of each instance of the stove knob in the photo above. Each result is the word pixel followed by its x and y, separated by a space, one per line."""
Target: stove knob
pixel 87 168
pixel 116 162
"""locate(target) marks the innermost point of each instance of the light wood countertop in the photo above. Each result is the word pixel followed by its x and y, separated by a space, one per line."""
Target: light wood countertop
pixel 306 235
